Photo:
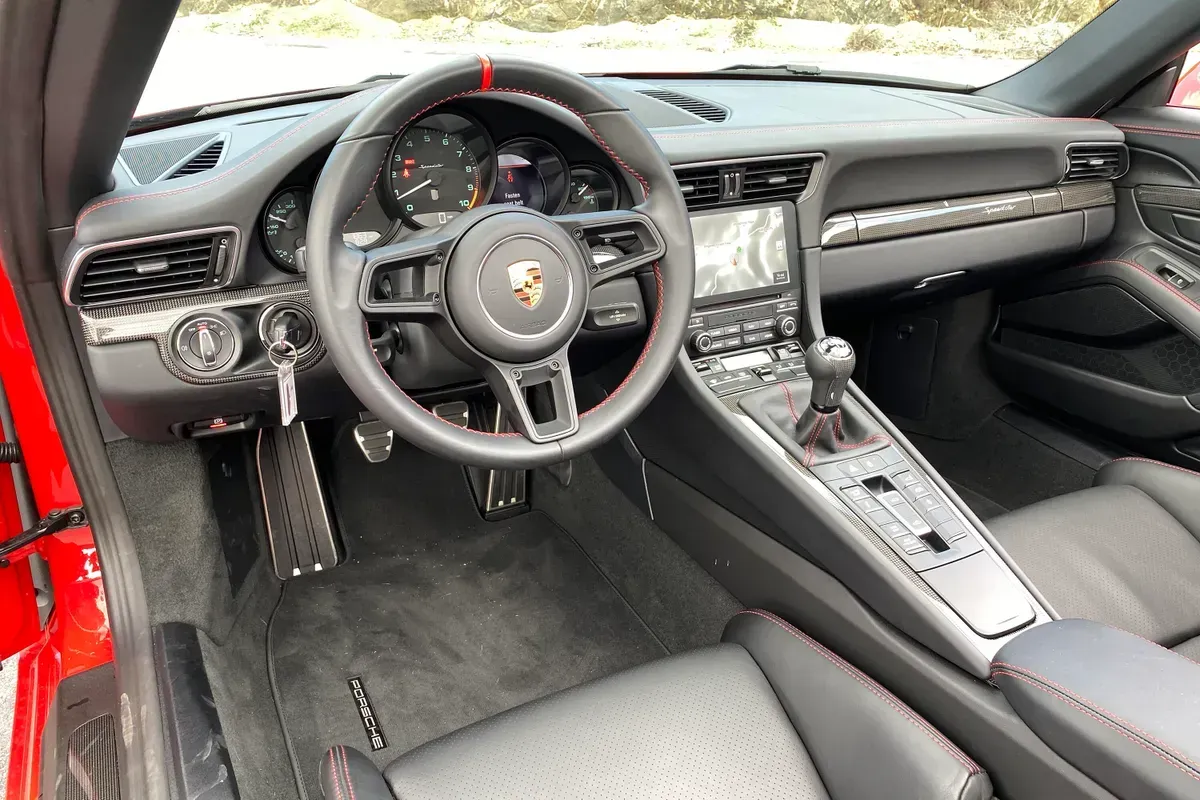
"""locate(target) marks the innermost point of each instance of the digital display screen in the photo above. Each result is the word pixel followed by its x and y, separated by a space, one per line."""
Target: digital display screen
pixel 746 360
pixel 740 250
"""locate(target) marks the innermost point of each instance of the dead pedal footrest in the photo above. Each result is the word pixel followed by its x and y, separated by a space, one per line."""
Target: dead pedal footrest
pixel 298 521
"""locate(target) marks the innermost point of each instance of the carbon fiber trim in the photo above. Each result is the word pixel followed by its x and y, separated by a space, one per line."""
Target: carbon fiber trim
pixel 942 215
pixel 892 222
pixel 814 484
pixel 154 320
pixel 1087 195
pixel 1046 201
pixel 1174 196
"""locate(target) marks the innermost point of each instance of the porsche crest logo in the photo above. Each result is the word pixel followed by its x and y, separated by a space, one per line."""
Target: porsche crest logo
pixel 526 280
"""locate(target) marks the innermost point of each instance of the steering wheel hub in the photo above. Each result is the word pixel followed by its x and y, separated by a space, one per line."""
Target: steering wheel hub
pixel 516 286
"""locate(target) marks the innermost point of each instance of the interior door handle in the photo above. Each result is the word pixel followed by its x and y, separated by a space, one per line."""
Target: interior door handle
pixel 925 283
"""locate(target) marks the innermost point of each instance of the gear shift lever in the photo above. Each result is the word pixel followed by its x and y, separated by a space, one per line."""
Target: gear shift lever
pixel 830 362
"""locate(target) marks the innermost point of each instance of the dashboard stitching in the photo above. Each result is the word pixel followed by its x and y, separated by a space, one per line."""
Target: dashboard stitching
pixel 275 142
pixel 1149 129
pixel 893 124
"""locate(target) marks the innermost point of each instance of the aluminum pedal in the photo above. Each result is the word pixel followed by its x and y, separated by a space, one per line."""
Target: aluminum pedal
pixel 374 439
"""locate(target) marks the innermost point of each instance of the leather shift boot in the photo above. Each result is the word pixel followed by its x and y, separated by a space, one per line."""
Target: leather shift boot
pixel 813 438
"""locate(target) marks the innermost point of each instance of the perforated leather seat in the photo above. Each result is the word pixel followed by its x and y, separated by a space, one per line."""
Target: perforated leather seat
pixel 1125 552
pixel 768 713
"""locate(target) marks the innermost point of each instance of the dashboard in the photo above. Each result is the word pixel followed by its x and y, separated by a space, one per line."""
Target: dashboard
pixel 184 273
pixel 440 166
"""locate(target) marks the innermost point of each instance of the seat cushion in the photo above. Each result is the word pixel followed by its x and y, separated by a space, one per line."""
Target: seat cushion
pixel 705 724
pixel 769 713
pixel 1122 552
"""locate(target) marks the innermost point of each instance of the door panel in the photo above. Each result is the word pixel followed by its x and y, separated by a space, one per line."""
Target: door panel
pixel 1115 341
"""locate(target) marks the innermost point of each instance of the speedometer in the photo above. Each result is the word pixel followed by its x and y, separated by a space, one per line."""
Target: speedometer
pixel 438 169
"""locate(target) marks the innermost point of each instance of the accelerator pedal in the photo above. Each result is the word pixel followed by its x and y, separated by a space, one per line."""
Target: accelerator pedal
pixel 499 492
pixel 298 521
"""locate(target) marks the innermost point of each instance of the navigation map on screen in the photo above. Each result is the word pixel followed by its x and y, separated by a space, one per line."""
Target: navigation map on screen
pixel 739 250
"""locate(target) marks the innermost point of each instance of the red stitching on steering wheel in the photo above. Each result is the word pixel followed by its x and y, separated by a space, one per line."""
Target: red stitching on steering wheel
pixel 485 83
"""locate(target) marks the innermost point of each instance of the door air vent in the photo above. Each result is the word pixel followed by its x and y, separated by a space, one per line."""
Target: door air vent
pixel 1096 162
pixel 693 105
pixel 167 265
pixel 745 182
pixel 206 159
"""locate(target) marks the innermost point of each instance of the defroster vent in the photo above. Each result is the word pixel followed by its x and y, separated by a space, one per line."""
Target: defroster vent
pixel 1096 162
pixel 164 266
pixel 745 181
pixel 693 105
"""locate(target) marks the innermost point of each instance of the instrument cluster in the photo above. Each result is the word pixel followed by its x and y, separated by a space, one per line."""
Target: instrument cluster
pixel 439 167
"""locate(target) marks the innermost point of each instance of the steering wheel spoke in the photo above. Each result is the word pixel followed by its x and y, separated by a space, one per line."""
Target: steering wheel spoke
pixel 403 281
pixel 619 242
pixel 539 398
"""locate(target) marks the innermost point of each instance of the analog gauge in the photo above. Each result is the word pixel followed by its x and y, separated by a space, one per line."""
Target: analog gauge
pixel 285 225
pixel 438 169
pixel 530 173
pixel 592 189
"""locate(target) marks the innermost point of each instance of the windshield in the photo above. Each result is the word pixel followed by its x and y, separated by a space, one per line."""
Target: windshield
pixel 221 50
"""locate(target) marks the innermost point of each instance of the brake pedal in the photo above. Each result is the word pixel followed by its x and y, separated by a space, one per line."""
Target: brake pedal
pixel 374 438
pixel 299 526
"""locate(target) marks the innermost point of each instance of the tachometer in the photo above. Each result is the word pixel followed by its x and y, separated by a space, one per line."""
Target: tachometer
pixel 438 169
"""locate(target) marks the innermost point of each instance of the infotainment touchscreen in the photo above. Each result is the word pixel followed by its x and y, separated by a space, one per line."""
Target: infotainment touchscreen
pixel 740 250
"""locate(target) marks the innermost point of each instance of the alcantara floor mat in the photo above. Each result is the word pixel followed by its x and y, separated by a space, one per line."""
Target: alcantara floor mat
pixel 445 619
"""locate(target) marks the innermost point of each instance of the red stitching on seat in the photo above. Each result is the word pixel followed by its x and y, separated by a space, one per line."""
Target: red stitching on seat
pixel 1157 463
pixel 223 174
pixel 346 772
pixel 1093 704
pixel 1099 719
pixel 337 784
pixel 869 683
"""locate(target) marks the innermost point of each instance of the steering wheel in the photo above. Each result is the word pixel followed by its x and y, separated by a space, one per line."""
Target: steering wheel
pixel 505 288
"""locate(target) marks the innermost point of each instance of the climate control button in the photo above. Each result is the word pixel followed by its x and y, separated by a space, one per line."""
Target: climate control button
pixel 205 344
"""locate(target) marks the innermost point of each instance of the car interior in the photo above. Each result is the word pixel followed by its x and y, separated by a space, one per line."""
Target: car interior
pixel 498 431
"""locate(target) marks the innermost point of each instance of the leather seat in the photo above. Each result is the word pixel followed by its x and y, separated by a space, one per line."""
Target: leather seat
pixel 768 713
pixel 1125 552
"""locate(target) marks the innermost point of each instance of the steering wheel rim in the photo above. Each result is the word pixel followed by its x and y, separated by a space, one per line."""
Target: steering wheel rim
pixel 466 265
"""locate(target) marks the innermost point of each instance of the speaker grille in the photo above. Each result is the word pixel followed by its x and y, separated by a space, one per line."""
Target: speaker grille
pixel 93 772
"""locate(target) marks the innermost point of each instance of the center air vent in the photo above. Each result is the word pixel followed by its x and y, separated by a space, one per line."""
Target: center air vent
pixel 745 182
pixel 1096 162
pixel 167 265
pixel 693 105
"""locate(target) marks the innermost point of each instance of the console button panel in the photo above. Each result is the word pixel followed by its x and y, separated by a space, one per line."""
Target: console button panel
pixel 886 493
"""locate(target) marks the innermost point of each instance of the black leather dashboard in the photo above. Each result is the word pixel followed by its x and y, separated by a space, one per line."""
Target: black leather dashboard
pixel 872 147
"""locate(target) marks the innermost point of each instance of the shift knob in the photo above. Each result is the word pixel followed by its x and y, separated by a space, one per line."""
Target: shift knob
pixel 830 362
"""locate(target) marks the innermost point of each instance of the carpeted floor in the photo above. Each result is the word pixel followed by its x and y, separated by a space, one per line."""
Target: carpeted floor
pixel 447 619
pixel 1002 468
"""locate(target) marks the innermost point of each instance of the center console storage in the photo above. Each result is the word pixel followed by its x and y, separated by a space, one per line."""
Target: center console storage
pixel 1120 708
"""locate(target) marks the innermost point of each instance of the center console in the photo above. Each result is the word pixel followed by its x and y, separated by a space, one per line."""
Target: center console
pixel 743 345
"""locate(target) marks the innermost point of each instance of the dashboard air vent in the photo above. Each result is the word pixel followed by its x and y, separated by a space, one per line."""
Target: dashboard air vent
pixel 701 186
pixel 1096 162
pixel 206 159
pixel 693 105
pixel 784 179
pixel 745 182
pixel 165 266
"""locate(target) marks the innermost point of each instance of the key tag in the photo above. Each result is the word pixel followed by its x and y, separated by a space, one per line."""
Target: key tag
pixel 283 355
